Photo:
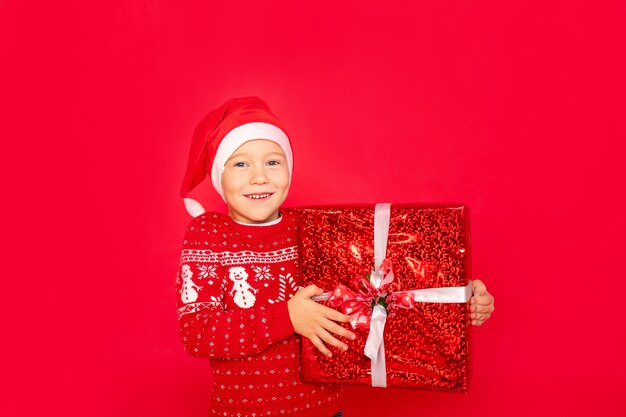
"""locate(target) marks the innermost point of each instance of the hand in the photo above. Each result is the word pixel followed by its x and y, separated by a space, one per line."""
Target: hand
pixel 316 322
pixel 481 303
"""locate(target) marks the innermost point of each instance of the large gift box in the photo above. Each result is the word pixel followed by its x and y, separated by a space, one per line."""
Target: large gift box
pixel 401 272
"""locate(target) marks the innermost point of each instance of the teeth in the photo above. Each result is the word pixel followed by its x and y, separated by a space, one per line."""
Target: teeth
pixel 258 196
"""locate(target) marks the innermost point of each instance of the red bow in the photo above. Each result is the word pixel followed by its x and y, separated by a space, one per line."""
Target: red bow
pixel 359 300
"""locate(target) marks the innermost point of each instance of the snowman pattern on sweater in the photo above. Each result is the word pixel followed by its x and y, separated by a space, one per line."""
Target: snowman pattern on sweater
pixel 189 289
pixel 242 292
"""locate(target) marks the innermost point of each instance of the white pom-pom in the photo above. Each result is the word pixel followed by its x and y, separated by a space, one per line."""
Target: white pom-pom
pixel 194 208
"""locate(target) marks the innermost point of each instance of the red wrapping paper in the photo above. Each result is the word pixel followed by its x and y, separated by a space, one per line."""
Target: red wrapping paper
pixel 425 347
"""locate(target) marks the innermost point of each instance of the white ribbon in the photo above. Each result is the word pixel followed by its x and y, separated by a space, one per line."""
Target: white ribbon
pixel 375 345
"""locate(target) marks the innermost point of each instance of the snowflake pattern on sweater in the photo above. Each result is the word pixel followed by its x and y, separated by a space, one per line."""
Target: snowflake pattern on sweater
pixel 233 285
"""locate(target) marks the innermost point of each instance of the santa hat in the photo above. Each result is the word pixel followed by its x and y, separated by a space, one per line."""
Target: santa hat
pixel 220 133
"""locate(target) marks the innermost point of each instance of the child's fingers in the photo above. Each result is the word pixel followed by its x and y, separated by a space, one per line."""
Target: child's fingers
pixel 480 308
pixel 333 327
pixel 317 342
pixel 483 299
pixel 480 316
pixel 331 340
pixel 335 315
pixel 479 322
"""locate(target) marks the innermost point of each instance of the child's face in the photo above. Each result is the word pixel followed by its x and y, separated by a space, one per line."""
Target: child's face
pixel 255 181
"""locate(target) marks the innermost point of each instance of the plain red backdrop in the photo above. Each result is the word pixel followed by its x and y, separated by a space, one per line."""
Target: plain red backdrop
pixel 514 108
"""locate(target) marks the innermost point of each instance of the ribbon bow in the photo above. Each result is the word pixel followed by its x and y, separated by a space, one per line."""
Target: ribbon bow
pixel 360 302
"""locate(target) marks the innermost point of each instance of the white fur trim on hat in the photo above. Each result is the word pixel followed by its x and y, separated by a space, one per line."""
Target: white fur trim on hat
pixel 240 135
pixel 194 208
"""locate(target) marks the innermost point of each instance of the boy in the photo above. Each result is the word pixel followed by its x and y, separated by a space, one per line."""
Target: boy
pixel 238 298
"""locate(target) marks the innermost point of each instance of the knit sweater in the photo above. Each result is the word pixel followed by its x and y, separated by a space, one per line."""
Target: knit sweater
pixel 233 283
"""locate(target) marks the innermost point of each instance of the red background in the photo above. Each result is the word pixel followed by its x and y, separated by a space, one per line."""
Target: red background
pixel 514 108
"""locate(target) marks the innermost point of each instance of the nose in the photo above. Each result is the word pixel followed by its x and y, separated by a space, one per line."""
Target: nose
pixel 259 176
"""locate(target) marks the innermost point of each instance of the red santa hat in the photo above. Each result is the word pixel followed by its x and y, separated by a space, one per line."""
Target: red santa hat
pixel 220 133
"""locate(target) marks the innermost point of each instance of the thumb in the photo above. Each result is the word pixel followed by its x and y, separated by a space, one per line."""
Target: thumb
pixel 479 287
pixel 311 291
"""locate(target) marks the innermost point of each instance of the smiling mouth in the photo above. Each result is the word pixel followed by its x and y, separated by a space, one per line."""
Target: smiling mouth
pixel 259 196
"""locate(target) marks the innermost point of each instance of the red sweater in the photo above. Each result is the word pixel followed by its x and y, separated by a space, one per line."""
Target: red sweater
pixel 233 285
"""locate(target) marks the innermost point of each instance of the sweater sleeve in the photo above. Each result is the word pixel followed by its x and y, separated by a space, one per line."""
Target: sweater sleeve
pixel 207 327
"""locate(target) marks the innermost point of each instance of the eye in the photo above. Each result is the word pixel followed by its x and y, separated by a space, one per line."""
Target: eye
pixel 273 162
pixel 239 164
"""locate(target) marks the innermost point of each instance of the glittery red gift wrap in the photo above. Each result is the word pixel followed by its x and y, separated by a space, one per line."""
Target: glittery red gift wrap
pixel 425 347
